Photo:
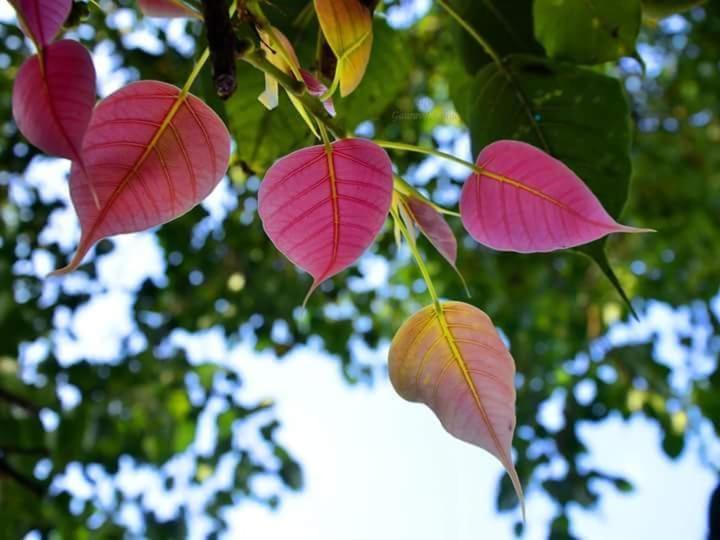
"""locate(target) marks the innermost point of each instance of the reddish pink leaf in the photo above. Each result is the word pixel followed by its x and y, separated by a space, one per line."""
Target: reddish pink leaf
pixel 317 88
pixel 53 98
pixel 433 225
pixel 322 208
pixel 450 357
pixel 528 201
pixel 152 154
pixel 41 20
pixel 167 8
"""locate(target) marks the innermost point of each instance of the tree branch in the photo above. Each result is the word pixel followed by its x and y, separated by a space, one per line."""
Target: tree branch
pixel 28 483
pixel 19 401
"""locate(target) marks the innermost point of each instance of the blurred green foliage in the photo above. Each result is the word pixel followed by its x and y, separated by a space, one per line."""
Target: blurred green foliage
pixel 423 83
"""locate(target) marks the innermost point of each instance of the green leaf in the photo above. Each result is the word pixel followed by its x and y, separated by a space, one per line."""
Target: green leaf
pixel 262 135
pixel 507 26
pixel 386 77
pixel 560 108
pixel 662 8
pixel 587 31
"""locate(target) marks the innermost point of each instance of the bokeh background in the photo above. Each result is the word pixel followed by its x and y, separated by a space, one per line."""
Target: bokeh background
pixel 173 387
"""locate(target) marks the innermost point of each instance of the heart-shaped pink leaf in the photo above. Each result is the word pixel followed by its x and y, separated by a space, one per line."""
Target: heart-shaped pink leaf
pixel 525 200
pixel 167 8
pixel 451 358
pixel 433 225
pixel 323 207
pixel 152 153
pixel 41 20
pixel 53 98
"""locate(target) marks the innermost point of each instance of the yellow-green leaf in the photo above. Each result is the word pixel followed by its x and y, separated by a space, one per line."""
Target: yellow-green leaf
pixel 347 26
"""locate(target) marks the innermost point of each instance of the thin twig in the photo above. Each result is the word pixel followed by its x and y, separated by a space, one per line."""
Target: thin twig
pixel 10 397
pixel 28 483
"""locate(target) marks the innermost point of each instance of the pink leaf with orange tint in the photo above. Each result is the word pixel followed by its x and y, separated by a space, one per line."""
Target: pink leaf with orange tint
pixel 167 8
pixel 450 357
pixel 323 207
pixel 41 20
pixel 152 153
pixel 525 200
pixel 53 98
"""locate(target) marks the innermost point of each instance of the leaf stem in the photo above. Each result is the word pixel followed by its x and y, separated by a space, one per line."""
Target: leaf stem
pixel 491 52
pixel 429 152
pixel 199 64
pixel 418 259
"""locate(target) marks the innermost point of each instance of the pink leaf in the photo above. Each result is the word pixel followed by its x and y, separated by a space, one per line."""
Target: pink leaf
pixel 317 88
pixel 433 225
pixel 152 154
pixel 167 8
pixel 53 98
pixel 322 208
pixel 41 20
pixel 451 358
pixel 527 201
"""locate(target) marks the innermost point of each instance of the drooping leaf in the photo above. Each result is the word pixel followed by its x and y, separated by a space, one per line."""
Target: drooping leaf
pixel 452 359
pixel 152 153
pixel 433 225
pixel 507 26
pixel 587 32
pixel 662 8
pixel 525 200
pixel 280 53
pixel 323 207
pixel 53 98
pixel 41 20
pixel 557 108
pixel 167 8
pixel 347 26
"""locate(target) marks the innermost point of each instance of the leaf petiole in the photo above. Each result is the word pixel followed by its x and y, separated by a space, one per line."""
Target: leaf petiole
pixel 428 152
pixel 400 224
pixel 491 52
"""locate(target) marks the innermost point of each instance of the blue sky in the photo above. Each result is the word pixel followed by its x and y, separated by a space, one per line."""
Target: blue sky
pixel 375 466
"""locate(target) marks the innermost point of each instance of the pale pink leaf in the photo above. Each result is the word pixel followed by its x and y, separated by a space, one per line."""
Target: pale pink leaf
pixel 167 8
pixel 322 208
pixel 525 200
pixel 53 98
pixel 433 225
pixel 152 154
pixel 316 88
pixel 41 20
pixel 451 358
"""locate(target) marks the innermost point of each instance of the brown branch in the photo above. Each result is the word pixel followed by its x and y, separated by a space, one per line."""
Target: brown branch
pixel 221 41
pixel 10 397
pixel 36 451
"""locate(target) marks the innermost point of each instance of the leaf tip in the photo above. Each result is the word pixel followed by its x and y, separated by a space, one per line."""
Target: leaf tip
pixel 634 230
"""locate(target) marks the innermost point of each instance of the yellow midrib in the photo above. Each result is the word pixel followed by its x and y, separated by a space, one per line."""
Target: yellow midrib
pixel 519 185
pixel 460 361
pixel 462 365
pixel 170 115
pixel 335 208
